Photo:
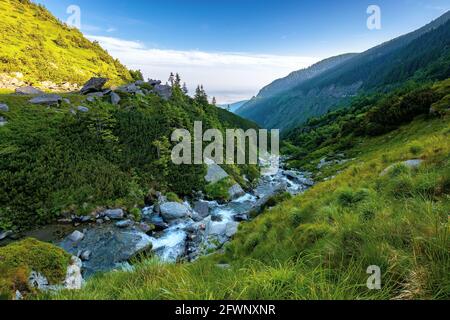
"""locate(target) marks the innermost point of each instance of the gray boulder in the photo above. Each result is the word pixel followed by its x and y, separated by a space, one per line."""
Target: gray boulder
pixel 154 82
pixel 114 214
pixel 173 210
pixel 236 191
pixel 124 224
pixel 231 229
pixel 3 121
pixel 202 208
pixel 129 88
pixel 28 90
pixel 164 91
pixel 115 98
pixel 93 85
pixel 96 94
pixel 76 236
pixel 4 107
pixel 85 255
pixel 83 109
pixel 47 99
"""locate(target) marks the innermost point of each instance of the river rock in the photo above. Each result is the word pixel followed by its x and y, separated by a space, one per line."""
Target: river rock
pixel 231 228
pixel 76 236
pixel 240 217
pixel 93 85
pixel 124 224
pixel 4 107
pixel 28 90
pixel 47 99
pixel 173 210
pixel 115 98
pixel 114 214
pixel 109 245
pixel 85 255
pixel 202 208
pixel 236 191
pixel 156 221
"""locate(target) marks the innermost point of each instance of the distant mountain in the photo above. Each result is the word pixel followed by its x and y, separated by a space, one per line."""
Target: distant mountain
pixel 233 107
pixel 42 48
pixel 422 55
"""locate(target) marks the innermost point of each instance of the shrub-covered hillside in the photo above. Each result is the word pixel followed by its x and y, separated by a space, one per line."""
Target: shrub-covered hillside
pixel 35 43
pixel 53 161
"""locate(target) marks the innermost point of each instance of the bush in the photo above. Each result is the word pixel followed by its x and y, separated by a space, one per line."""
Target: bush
pixel 348 197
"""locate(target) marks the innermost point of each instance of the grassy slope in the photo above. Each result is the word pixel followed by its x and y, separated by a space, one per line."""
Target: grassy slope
pixel 319 245
pixel 35 43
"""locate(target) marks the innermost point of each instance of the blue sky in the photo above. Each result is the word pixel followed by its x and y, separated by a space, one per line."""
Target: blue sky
pixel 234 47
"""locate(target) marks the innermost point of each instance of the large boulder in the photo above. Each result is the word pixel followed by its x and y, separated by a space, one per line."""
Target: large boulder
pixel 202 208
pixel 110 246
pixel 4 107
pixel 164 91
pixel 236 191
pixel 129 88
pixel 28 90
pixel 114 214
pixel 76 236
pixel 174 210
pixel 47 99
pixel 93 85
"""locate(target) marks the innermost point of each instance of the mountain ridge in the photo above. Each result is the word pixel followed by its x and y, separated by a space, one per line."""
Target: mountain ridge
pixel 367 71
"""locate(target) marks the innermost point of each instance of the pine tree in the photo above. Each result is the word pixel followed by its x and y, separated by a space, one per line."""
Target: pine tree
pixel 177 80
pixel 171 79
pixel 185 89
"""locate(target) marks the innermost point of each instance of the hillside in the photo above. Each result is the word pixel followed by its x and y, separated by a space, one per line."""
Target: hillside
pixel 422 55
pixel 33 42
pixel 292 80
pixel 55 161
pixel 379 208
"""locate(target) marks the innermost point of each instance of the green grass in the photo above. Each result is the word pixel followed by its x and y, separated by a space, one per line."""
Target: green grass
pixel 318 245
pixel 35 43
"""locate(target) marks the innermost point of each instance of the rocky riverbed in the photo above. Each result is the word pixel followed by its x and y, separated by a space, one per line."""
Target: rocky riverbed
pixel 172 231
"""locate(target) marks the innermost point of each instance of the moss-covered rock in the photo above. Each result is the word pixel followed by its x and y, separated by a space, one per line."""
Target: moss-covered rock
pixel 17 260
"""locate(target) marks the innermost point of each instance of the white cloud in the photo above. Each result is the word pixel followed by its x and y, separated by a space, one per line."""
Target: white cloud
pixel 230 76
